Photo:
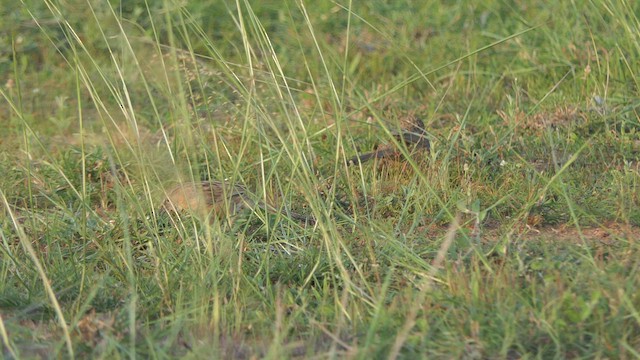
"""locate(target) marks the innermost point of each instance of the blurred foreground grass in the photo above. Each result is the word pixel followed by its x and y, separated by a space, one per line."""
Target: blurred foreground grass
pixel 515 237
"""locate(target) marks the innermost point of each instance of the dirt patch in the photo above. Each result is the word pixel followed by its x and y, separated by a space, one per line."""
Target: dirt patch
pixel 608 233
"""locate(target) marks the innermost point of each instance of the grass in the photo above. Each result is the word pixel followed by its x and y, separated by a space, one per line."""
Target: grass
pixel 514 237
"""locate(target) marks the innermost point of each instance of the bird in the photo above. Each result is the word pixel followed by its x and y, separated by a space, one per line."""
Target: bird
pixel 412 134
pixel 217 199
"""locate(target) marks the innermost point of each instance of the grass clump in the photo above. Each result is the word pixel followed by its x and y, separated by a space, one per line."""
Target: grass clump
pixel 512 237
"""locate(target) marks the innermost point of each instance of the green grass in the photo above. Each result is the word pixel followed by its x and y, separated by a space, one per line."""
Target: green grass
pixel 514 237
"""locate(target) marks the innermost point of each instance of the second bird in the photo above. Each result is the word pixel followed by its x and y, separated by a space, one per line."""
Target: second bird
pixel 217 199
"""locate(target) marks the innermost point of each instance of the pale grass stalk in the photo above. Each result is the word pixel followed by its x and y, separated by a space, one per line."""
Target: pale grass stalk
pixel 410 321
pixel 26 244
pixel 5 339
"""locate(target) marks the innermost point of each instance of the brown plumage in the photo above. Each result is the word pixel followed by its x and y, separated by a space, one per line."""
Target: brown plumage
pixel 217 199
pixel 412 134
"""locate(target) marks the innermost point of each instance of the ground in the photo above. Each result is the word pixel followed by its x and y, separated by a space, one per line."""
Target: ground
pixel 512 235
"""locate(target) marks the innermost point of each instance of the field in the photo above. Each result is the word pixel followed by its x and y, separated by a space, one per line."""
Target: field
pixel 514 236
